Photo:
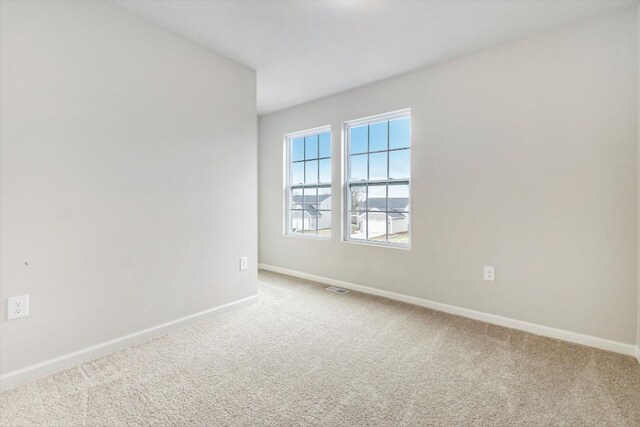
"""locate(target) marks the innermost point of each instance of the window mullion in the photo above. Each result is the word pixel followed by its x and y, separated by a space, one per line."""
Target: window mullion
pixel 368 156
pixel 304 180
pixel 368 180
pixel 289 215
pixel 386 213
pixel 366 222
pixel 317 184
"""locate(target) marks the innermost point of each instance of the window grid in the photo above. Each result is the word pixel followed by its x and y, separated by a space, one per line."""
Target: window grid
pixel 318 186
pixel 367 183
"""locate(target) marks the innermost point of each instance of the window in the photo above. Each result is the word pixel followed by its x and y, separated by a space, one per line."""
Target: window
pixel 309 183
pixel 378 158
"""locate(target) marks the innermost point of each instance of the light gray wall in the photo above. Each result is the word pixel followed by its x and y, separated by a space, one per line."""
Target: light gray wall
pixel 128 177
pixel 524 158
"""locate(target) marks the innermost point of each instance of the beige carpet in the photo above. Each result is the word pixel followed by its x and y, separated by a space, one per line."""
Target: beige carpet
pixel 305 356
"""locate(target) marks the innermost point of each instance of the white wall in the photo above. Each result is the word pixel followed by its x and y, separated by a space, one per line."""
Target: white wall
pixel 524 158
pixel 128 177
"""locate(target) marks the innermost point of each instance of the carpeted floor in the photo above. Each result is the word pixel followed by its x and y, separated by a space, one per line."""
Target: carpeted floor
pixel 306 356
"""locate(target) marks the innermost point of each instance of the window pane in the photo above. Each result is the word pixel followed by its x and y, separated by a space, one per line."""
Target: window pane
pixel 296 221
pixel 297 149
pixel 310 199
pixel 398 197
pixel 311 172
pixel 399 164
pixel 296 198
pixel 379 182
pixel 377 226
pixel 325 144
pixel 378 166
pixel 297 173
pixel 378 136
pixel 358 139
pixel 357 224
pixel 311 147
pixel 357 197
pixel 398 228
pixel 325 170
pixel 324 198
pixel 377 197
pixel 324 223
pixel 358 168
pixel 399 133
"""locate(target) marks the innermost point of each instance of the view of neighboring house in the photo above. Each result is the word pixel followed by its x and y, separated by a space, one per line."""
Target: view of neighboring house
pixel 397 218
pixel 308 211
pixel 311 211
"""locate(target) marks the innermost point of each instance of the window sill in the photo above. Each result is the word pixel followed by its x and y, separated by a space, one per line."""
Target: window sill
pixel 378 245
pixel 310 236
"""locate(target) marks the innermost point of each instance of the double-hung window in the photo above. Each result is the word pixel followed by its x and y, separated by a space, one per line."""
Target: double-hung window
pixel 308 211
pixel 377 188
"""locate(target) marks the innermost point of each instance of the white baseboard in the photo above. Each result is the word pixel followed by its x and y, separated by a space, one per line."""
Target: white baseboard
pixel 19 376
pixel 546 331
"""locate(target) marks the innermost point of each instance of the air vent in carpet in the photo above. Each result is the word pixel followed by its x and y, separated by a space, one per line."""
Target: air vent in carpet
pixel 337 290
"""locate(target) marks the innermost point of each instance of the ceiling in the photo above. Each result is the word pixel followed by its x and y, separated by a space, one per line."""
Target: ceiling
pixel 304 50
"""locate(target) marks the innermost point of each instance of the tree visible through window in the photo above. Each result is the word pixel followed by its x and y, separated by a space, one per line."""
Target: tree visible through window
pixel 309 183
pixel 378 152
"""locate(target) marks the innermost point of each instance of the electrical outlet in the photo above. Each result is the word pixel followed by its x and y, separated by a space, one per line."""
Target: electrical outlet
pixel 244 263
pixel 17 307
pixel 489 273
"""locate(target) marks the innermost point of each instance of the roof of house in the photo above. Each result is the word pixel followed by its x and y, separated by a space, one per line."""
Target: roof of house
pixel 310 199
pixel 397 215
pixel 312 212
pixel 395 203
pixel 309 203
pixel 375 203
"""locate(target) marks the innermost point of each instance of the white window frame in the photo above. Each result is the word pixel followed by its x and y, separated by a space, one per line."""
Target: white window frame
pixel 288 138
pixel 346 219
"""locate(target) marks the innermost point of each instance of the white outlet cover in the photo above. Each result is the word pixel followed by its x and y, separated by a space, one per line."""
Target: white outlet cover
pixel 489 273
pixel 244 263
pixel 17 307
